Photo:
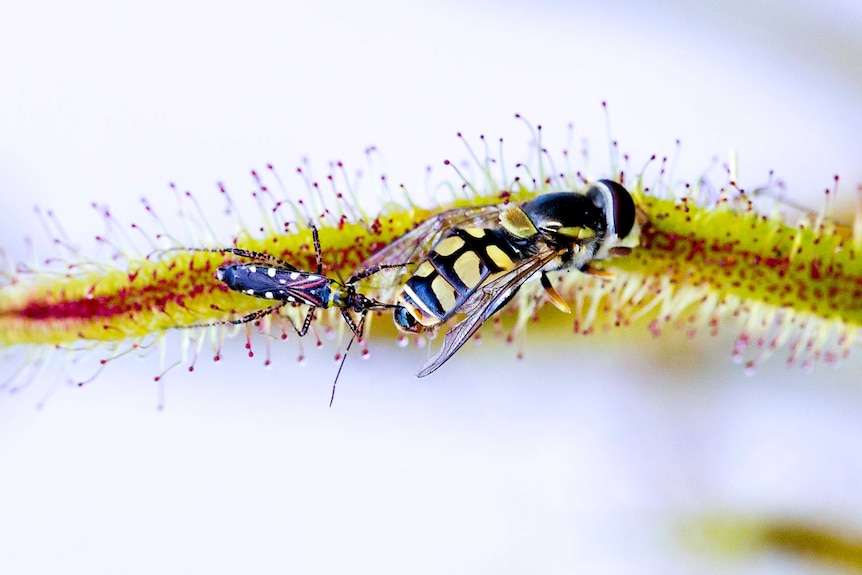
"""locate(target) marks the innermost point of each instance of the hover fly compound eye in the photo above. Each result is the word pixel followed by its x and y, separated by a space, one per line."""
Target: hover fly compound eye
pixel 617 204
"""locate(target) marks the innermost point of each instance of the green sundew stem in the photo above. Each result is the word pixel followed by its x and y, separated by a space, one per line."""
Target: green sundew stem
pixel 720 252
pixel 726 252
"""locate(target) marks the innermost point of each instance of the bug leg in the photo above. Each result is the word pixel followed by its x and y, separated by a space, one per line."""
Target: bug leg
pixel 360 327
pixel 357 331
pixel 253 316
pixel 317 251
pixel 305 324
pixel 373 270
pixel 256 257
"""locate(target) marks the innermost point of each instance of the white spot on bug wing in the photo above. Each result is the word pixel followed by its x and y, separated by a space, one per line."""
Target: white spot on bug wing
pixel 294 276
pixel 249 291
pixel 282 281
pixel 268 295
pixel 271 272
pixel 252 269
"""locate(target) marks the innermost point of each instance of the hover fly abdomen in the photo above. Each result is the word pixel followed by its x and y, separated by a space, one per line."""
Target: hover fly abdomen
pixel 456 265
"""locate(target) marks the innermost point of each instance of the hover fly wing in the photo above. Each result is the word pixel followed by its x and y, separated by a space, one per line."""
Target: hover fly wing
pixel 415 244
pixel 483 304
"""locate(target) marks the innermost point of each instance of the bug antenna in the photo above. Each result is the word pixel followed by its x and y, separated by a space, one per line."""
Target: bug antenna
pixel 340 366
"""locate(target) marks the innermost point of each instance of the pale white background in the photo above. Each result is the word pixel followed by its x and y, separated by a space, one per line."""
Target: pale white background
pixel 590 455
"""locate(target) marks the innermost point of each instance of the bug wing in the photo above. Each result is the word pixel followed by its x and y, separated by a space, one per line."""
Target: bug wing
pixel 483 304
pixel 415 244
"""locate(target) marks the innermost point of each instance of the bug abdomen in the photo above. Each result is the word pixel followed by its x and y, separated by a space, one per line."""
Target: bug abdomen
pixel 277 284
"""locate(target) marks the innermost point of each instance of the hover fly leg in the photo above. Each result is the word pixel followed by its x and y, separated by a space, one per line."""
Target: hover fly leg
pixel 555 298
pixel 601 274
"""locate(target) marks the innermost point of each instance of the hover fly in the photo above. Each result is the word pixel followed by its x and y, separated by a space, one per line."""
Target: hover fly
pixel 472 261
pixel 267 277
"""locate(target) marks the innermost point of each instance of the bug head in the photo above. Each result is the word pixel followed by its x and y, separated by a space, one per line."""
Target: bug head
pixel 359 303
